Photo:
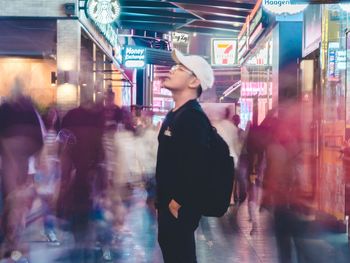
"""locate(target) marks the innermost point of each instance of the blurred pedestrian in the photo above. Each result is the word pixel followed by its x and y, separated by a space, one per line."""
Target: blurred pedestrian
pixel 241 167
pixel 49 172
pixel 112 119
pixel 288 190
pixel 81 161
pixel 229 132
pixel 20 138
pixel 255 170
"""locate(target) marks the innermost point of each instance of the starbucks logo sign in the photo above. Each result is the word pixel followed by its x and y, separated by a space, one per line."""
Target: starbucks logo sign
pixel 103 11
pixel 280 7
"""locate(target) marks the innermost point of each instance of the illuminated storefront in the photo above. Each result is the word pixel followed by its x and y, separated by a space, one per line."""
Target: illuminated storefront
pixel 324 80
pixel 268 55
pixel 332 121
pixel 64 56
pixel 27 54
pixel 256 87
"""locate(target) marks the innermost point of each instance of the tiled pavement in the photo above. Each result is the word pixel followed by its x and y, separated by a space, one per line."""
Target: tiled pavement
pixel 222 240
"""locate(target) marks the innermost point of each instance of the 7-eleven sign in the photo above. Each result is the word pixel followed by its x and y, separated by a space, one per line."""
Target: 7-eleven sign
pixel 223 52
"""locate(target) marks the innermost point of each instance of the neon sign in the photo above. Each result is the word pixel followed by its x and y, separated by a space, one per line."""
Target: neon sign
pixel 134 57
pixel 103 11
pixel 224 52
pixel 280 7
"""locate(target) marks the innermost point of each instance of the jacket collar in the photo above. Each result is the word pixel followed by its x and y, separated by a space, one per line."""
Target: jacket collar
pixel 191 104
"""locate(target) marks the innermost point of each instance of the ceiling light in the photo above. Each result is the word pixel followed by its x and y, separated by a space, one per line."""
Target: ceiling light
pixel 236 24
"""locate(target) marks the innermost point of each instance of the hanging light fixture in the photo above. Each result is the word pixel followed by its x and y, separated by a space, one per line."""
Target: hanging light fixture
pixel 103 11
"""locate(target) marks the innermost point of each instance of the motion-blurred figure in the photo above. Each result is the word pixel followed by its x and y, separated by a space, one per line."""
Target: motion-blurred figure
pixel 241 167
pixel 81 169
pixel 112 120
pixel 255 170
pixel 21 137
pixel 50 172
pixel 285 191
pixel 229 132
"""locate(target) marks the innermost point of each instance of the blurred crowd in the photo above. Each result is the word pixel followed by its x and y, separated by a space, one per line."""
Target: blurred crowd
pixel 84 166
pixel 81 167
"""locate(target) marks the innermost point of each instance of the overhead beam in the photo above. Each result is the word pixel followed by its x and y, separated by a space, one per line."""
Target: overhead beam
pixel 163 13
pixel 158 27
pixel 145 4
pixel 214 10
pixel 216 32
pixel 216 26
pixel 217 3
pixel 185 24
pixel 152 19
pixel 225 19
pixel 188 11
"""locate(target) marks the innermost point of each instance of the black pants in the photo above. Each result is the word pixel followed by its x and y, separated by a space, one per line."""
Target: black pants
pixel 176 235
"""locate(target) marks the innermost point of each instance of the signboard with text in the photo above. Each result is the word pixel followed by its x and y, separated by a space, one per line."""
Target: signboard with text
pixel 134 57
pixel 180 41
pixel 223 52
pixel 279 7
pixel 180 38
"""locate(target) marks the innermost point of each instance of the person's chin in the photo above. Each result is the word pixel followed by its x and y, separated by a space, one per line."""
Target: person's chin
pixel 165 86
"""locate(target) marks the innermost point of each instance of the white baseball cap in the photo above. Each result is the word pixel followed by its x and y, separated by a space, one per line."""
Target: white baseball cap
pixel 198 65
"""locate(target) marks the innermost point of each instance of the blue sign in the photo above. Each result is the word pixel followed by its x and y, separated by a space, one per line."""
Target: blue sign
pixel 134 57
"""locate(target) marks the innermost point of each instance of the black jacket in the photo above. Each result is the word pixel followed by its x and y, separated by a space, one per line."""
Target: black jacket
pixel 182 156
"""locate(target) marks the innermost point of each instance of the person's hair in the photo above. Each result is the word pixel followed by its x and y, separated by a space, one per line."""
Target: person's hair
pixel 199 91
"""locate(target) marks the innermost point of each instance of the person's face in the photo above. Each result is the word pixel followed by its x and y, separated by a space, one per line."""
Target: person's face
pixel 180 78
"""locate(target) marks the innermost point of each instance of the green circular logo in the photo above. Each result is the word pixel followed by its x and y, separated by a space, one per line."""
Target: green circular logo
pixel 103 11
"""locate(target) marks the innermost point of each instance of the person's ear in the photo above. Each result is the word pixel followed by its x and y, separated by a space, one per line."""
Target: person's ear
pixel 194 83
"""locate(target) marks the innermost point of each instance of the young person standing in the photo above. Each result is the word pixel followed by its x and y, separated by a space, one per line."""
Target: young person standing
pixel 181 158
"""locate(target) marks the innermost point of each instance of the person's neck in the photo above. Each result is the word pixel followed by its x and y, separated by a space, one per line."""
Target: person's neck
pixel 181 99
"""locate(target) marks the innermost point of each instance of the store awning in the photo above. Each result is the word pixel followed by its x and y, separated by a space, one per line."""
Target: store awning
pixel 215 17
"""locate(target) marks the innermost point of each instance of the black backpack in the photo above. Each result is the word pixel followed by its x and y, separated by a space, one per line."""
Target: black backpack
pixel 217 183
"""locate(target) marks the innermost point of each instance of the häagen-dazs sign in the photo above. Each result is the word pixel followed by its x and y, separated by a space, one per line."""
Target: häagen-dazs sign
pixel 280 7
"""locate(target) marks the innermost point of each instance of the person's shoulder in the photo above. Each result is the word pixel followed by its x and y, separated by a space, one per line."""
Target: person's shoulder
pixel 71 117
pixel 73 111
pixel 193 116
